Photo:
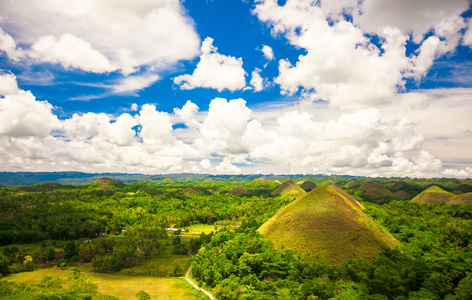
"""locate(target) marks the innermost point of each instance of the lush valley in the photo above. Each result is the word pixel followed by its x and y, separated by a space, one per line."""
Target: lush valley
pixel 313 237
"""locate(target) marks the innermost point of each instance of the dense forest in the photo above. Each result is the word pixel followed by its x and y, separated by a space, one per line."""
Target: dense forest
pixel 113 227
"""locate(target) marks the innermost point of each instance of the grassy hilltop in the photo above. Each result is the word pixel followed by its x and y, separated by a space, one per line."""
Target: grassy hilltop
pixel 329 222
pixel 435 194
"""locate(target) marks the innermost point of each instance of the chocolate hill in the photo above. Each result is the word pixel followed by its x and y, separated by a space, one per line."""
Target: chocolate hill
pixel 435 194
pixel 288 188
pixel 327 223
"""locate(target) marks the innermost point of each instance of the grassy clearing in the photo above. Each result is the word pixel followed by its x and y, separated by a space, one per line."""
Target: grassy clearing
pixel 161 265
pixel 121 286
pixel 28 248
pixel 197 229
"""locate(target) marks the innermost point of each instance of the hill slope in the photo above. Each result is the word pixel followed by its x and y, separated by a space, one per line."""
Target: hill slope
pixel 288 188
pixel 308 186
pixel 375 190
pixel 435 194
pixel 329 223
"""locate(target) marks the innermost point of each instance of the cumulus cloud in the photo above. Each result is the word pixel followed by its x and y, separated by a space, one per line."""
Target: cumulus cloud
pixel 71 52
pixel 8 84
pixel 413 17
pixel 268 52
pixel 8 45
pixel 156 131
pixel 342 64
pixel 231 138
pixel 257 81
pixel 215 71
pixel 22 115
pixel 205 164
pixel 226 167
pixel 187 113
pixel 222 128
pixel 101 36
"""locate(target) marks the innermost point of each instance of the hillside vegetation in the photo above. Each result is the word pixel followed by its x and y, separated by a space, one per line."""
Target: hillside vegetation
pixel 435 194
pixel 112 228
pixel 288 188
pixel 328 224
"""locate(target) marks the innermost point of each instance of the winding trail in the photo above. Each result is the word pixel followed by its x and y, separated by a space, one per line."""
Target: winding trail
pixel 187 277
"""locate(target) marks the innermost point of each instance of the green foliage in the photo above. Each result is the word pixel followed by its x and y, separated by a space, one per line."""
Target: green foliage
pixel 77 286
pixel 124 228
pixel 142 295
pixel 61 264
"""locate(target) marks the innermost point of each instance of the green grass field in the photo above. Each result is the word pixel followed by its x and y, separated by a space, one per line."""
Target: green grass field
pixel 121 286
pixel 161 266
pixel 197 229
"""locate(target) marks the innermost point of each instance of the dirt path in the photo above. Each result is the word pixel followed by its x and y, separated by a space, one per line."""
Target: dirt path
pixel 187 277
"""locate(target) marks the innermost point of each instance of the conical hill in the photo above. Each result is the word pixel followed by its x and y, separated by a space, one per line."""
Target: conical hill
pixel 435 194
pixel 327 224
pixel 288 188
pixel 308 186
pixel 375 190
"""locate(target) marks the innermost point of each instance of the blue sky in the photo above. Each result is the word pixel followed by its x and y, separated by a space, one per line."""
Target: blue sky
pixel 377 88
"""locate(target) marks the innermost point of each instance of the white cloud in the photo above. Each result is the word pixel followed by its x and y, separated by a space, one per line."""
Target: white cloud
pixel 342 64
pixel 467 39
pixel 120 132
pixel 414 17
pixel 256 80
pixel 8 84
pixel 268 53
pixel 226 167
pixel 223 127
pixel 114 35
pixel 71 52
pixel 405 139
pixel 187 113
pixel 8 45
pixel 134 107
pixel 205 164
pixel 215 71
pixel 134 83
pixel 398 140
pixel 156 130
pixel 22 115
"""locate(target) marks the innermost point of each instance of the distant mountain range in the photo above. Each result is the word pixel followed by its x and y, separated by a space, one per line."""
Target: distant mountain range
pixel 30 178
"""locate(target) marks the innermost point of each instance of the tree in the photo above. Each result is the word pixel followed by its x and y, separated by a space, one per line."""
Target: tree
pixel 70 250
pixel 4 270
pixel 62 264
pixel 142 295
pixel 464 288
pixel 47 254
pixel 177 269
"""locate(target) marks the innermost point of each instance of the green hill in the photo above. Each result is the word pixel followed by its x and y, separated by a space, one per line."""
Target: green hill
pixel 260 181
pixel 191 190
pixel 327 223
pixel 352 184
pixel 288 188
pixel 375 190
pixel 435 194
pixel 464 188
pixel 308 186
pixel 238 191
